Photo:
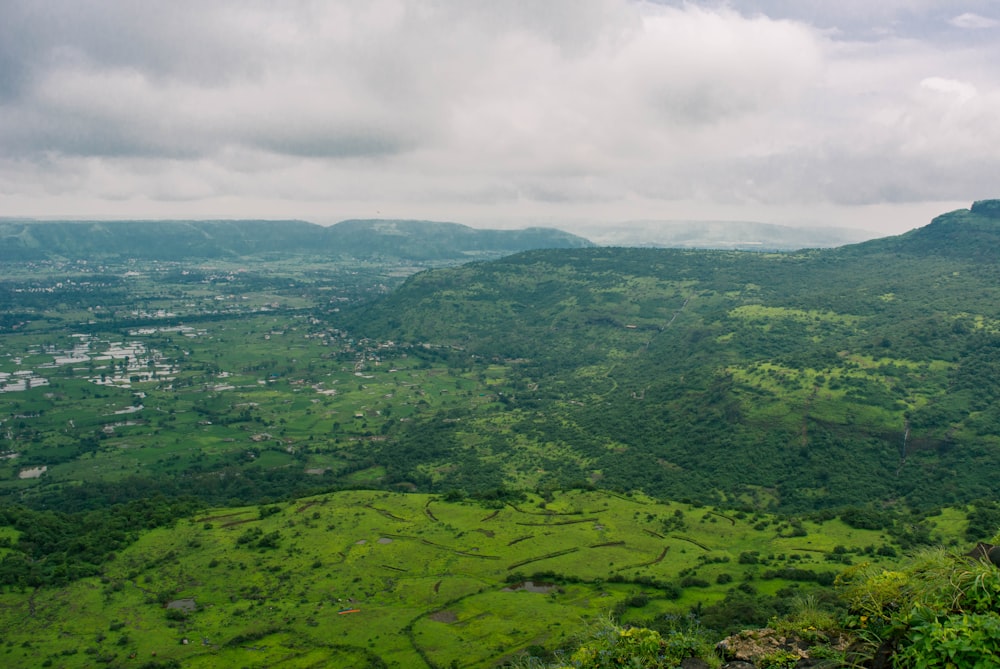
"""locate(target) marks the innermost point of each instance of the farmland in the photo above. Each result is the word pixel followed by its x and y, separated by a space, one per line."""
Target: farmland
pixel 160 380
pixel 430 581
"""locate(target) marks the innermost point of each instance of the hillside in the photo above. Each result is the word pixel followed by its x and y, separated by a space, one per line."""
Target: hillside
pixel 796 381
pixel 372 579
pixel 819 378
pixel 429 240
pixel 183 240
pixel 966 234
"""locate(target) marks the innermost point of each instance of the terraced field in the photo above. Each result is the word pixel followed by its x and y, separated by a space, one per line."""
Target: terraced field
pixel 362 578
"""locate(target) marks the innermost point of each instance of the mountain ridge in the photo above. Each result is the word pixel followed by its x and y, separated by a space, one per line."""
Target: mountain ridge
pixel 710 234
pixel 182 239
pixel 970 233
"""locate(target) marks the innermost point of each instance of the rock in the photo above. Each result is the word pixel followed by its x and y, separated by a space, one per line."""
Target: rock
pixel 984 551
pixel 738 664
pixel 694 663
pixel 754 646
pixel 884 654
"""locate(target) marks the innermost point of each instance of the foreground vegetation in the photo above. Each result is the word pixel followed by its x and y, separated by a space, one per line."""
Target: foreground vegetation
pixel 432 582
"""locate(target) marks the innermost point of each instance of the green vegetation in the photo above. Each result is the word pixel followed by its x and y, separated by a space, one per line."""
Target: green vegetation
pixel 218 460
pixel 935 610
pixel 747 380
pixel 434 581
pixel 805 380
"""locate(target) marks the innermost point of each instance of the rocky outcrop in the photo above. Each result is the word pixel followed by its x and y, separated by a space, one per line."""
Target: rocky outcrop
pixel 752 648
pixel 990 208
pixel 987 552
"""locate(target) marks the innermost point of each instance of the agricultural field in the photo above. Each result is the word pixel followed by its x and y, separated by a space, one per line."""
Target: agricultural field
pixel 179 371
pixel 368 578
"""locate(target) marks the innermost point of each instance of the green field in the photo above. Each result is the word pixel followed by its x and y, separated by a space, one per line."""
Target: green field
pixel 434 582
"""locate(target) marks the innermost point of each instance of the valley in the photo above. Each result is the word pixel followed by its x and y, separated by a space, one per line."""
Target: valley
pixel 297 459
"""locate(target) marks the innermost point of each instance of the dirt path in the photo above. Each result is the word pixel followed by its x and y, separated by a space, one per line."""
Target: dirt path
pixel 385 513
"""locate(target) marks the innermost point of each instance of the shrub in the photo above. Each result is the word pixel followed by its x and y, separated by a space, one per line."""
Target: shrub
pixel 967 640
pixel 611 645
pixel 940 608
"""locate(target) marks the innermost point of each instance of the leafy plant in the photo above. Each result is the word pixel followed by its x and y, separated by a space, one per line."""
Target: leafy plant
pixel 614 646
pixel 779 660
pixel 959 641
pixel 941 608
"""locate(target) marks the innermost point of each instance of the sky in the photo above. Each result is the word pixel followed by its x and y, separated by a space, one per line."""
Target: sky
pixel 500 113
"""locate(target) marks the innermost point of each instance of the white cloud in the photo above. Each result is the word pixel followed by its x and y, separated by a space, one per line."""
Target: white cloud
pixel 454 108
pixel 973 21
pixel 960 91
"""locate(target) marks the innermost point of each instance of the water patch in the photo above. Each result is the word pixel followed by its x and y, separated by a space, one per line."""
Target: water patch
pixel 188 605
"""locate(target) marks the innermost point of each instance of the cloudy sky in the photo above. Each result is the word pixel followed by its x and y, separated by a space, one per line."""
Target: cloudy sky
pixel 876 114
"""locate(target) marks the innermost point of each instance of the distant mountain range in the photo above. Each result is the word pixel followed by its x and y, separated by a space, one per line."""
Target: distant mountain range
pixel 180 240
pixel 25 239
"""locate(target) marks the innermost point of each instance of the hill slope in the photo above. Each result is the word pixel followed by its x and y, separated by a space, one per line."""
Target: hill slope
pixel 965 234
pixel 371 579
pixel 818 378
pixel 429 240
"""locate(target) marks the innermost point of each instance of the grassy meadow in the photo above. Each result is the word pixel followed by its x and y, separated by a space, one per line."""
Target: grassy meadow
pixel 431 582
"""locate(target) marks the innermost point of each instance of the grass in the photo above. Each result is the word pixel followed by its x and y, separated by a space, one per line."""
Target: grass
pixel 428 576
pixel 759 312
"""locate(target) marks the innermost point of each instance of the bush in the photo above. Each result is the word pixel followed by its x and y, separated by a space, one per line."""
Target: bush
pixel 940 608
pixel 865 519
pixel 614 646
pixel 967 640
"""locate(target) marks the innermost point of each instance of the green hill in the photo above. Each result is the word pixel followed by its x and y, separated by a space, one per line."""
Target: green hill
pixel 429 240
pixel 965 234
pixel 810 379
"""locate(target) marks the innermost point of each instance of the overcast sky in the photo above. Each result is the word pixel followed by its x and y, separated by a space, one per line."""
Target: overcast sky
pixel 876 114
